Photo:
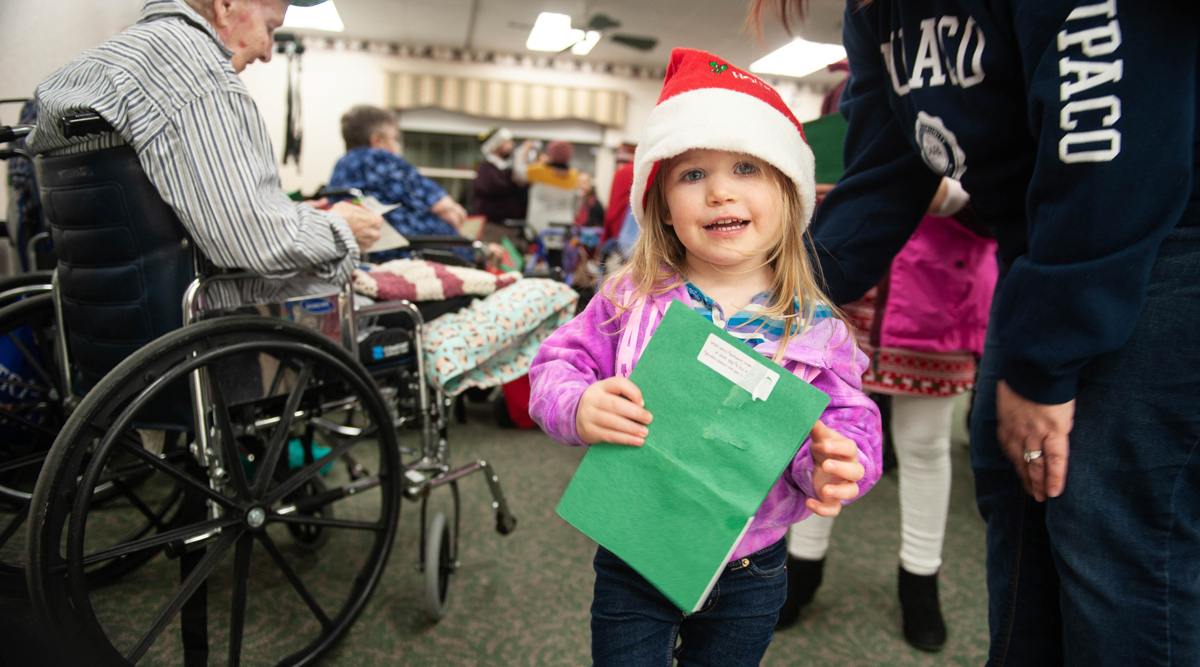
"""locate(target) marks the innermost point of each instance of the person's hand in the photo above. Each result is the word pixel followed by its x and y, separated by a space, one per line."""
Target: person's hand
pixel 322 203
pixel 939 197
pixel 1026 426
pixel 605 414
pixel 449 210
pixel 836 470
pixel 364 223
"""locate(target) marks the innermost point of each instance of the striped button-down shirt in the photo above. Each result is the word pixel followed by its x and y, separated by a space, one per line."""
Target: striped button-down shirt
pixel 167 86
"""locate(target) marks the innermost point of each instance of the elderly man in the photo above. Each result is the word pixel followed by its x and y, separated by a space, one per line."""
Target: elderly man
pixel 169 86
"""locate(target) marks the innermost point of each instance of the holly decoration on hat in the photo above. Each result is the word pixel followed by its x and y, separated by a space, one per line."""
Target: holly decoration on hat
pixel 717 67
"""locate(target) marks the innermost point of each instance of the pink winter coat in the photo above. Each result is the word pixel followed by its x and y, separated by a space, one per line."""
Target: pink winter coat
pixel 939 290
pixel 601 343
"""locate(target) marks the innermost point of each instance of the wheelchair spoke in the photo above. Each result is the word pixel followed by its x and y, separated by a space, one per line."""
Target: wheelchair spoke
pixel 182 534
pixel 136 501
pixel 241 577
pixel 186 588
pixel 324 521
pixel 297 479
pixel 17 384
pixel 178 475
pixel 279 438
pixel 134 468
pixel 5 413
pixel 229 444
pixel 26 461
pixel 14 525
pixel 30 359
pixel 288 572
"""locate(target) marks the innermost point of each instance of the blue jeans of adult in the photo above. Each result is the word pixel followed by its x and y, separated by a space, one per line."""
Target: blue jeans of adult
pixel 1109 572
pixel 634 625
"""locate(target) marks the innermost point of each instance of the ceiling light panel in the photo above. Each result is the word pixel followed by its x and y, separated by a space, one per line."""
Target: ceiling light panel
pixel 798 58
pixel 553 32
pixel 318 17
pixel 584 46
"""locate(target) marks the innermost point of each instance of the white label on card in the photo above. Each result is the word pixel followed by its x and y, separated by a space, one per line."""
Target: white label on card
pixel 738 367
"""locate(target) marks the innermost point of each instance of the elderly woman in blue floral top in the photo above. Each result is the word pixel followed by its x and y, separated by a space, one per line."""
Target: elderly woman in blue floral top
pixel 372 163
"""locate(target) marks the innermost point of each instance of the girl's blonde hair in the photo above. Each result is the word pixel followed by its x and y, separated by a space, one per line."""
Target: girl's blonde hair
pixel 659 261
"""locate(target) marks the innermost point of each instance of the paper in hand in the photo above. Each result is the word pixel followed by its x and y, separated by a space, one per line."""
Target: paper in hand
pixel 389 238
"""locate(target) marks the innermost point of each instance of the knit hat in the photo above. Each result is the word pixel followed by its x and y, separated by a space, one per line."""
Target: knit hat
pixel 493 138
pixel 560 152
pixel 707 103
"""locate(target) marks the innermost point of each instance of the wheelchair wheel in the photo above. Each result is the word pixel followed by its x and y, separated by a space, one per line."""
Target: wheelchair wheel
pixel 439 565
pixel 31 414
pixel 9 285
pixel 264 380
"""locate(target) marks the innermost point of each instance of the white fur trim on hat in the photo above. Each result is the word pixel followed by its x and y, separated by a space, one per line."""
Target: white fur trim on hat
pixel 493 142
pixel 724 120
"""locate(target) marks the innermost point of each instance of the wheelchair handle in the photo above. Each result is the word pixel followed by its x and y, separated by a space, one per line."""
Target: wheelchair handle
pixel 13 132
pixel 83 123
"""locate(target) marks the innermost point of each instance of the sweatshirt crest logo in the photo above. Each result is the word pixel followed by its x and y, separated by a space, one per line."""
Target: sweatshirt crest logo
pixel 939 147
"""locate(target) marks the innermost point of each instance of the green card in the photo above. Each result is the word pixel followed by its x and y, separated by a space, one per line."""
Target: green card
pixel 727 421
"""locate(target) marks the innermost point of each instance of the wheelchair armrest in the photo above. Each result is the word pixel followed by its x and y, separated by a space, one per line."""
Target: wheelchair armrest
pixel 83 123
pixel 391 308
pixel 347 192
pixel 439 241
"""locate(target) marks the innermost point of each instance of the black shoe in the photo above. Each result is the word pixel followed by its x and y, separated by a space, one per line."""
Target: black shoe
pixel 803 579
pixel 884 402
pixel 923 624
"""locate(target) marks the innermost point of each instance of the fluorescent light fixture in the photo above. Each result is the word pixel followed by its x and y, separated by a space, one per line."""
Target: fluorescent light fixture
pixel 799 58
pixel 584 46
pixel 553 32
pixel 318 17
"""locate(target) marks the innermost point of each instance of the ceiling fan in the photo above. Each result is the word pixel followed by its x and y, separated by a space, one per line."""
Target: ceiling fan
pixel 554 32
pixel 602 22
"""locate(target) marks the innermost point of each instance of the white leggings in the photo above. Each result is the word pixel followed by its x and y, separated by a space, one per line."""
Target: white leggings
pixel 921 435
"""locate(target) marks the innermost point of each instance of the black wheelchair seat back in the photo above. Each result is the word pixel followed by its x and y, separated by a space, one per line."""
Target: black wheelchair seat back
pixel 124 258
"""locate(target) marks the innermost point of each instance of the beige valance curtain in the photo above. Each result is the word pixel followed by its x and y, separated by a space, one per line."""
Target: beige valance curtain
pixel 506 100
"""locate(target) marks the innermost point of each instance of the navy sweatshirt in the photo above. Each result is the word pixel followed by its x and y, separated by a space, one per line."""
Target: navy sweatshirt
pixel 1073 125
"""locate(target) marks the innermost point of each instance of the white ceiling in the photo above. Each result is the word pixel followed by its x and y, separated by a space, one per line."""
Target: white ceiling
pixel 503 26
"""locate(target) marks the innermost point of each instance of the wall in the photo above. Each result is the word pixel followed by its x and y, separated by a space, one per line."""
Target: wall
pixel 39 36
pixel 332 81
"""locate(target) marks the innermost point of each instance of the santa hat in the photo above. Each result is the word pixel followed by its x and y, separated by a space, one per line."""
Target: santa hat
pixel 707 103
pixel 492 139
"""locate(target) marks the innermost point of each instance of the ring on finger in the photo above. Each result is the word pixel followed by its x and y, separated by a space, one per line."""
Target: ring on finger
pixel 1033 454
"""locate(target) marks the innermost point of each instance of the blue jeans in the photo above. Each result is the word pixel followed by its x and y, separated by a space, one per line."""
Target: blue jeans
pixel 1109 572
pixel 635 625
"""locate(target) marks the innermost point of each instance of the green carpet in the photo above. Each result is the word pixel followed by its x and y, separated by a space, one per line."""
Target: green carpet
pixel 523 599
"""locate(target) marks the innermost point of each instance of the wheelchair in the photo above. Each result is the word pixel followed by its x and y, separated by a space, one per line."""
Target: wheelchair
pixel 255 428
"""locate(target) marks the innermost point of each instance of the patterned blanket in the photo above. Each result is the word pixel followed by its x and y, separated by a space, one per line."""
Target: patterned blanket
pixel 493 341
pixel 419 280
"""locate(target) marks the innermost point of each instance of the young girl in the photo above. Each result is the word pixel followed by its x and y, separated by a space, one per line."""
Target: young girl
pixel 723 191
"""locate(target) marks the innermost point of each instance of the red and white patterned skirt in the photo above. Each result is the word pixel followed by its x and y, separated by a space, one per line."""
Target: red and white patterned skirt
pixel 907 372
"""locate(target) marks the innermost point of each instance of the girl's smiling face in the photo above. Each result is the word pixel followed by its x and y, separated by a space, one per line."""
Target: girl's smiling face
pixel 725 208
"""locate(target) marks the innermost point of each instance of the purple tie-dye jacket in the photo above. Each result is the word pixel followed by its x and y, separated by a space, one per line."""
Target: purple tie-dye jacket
pixel 595 346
